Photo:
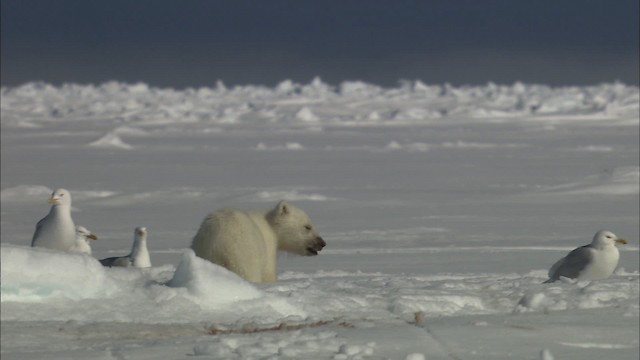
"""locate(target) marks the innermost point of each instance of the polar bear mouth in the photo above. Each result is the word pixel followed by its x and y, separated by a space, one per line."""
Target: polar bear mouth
pixel 317 245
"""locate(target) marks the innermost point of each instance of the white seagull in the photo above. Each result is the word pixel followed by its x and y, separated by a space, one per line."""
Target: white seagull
pixel 83 237
pixel 56 230
pixel 139 255
pixel 595 261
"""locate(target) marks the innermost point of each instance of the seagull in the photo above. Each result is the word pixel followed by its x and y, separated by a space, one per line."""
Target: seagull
pixel 56 230
pixel 139 255
pixel 82 240
pixel 595 261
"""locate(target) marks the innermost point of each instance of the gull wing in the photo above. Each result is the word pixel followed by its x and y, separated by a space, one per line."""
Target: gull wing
pixel 571 265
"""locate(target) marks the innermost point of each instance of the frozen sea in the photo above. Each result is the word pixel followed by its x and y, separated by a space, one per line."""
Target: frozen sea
pixel 443 208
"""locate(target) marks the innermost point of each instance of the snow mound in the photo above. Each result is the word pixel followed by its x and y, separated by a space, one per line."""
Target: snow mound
pixel 571 295
pixel 305 114
pixel 594 148
pixel 40 193
pixel 410 147
pixel 458 145
pixel 545 354
pixel 25 193
pixel 287 146
pixel 27 275
pixel 292 195
pixel 477 146
pixel 415 356
pixel 111 141
pixel 209 284
pixel 621 181
pixel 81 289
pixel 290 104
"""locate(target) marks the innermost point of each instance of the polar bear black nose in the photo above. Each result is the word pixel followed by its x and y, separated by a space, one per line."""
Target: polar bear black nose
pixel 316 245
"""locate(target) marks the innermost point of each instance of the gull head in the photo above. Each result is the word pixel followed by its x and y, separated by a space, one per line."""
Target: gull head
pixel 606 238
pixel 85 233
pixel 141 231
pixel 60 197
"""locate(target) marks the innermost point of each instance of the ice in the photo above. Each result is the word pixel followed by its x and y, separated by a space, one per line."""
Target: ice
pixel 620 181
pixel 545 354
pixel 595 148
pixel 474 145
pixel 288 146
pixel 83 290
pixel 305 114
pixel 442 206
pixel 412 147
pixel 27 276
pixel 275 196
pixel 211 285
pixel 111 140
pixel 415 356
pixel 25 193
pixel 142 105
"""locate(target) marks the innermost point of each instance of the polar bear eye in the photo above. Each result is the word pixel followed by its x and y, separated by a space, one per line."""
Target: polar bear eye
pixel 307 227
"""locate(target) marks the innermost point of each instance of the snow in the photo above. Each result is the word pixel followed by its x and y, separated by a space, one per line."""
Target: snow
pixel 196 274
pixel 443 208
pixel 111 140
pixel 27 276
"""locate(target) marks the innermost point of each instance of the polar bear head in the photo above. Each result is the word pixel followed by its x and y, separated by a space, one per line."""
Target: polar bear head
pixel 294 230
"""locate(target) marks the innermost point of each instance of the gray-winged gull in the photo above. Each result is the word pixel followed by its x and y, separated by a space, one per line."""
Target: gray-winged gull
pixel 595 261
pixel 56 230
pixel 83 237
pixel 139 255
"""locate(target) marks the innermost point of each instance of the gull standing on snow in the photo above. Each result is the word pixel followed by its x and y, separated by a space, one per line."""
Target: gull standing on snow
pixel 139 256
pixel 56 230
pixel 83 236
pixel 595 261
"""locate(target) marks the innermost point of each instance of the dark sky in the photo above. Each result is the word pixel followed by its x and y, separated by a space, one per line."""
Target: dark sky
pixel 188 43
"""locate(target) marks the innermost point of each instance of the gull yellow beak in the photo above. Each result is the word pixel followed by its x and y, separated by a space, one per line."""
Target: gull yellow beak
pixel 621 241
pixel 53 200
pixel 92 236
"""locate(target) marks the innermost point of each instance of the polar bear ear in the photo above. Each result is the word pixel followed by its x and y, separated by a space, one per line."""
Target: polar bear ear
pixel 282 207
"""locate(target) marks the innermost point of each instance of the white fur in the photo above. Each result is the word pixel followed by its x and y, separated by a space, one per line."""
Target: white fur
pixel 247 242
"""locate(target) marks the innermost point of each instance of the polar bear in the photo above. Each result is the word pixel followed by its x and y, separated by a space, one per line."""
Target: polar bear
pixel 247 242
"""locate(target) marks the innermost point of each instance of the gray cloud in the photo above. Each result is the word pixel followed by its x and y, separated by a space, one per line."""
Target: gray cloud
pixel 195 43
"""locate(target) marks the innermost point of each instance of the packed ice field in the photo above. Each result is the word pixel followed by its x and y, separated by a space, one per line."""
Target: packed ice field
pixel 443 208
